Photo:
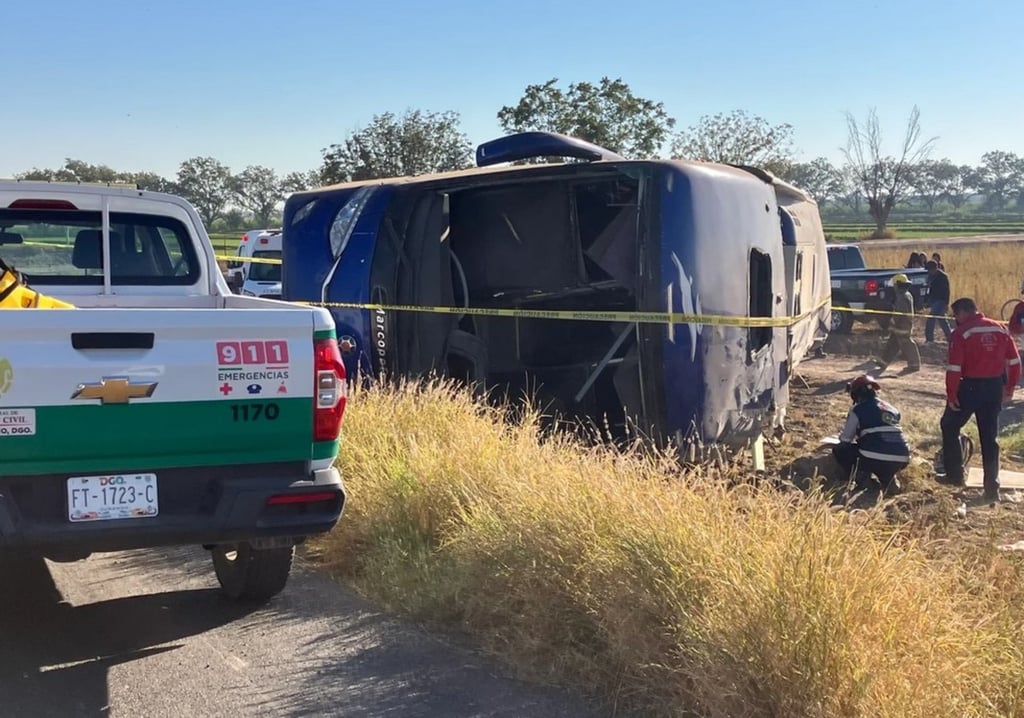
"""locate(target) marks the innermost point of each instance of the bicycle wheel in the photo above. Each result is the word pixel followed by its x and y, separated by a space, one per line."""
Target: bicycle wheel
pixel 1007 309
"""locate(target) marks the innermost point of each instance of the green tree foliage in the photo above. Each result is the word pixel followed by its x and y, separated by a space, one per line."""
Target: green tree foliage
pixel 607 114
pixel 819 178
pixel 1001 178
pixel 206 183
pixel 737 138
pixel 80 171
pixel 299 181
pixel 259 190
pixel 934 181
pixel 414 143
pixel 149 181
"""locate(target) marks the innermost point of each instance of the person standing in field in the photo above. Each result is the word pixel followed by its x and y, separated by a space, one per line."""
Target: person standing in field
pixel 900 339
pixel 983 370
pixel 937 258
pixel 938 301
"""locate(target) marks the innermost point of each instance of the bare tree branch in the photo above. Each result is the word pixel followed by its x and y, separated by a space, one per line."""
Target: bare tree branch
pixel 883 178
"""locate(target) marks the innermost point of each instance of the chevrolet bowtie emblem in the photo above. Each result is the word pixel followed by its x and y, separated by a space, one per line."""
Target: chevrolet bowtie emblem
pixel 114 390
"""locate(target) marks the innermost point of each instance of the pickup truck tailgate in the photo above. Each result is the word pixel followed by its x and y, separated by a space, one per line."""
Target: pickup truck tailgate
pixel 114 389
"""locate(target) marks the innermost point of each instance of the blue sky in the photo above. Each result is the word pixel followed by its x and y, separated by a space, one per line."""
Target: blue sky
pixel 142 85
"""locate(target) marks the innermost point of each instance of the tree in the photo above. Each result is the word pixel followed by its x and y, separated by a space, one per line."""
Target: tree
pixel 299 181
pixel 962 186
pixel 737 138
pixel 883 179
pixel 235 219
pixel 148 181
pixel 259 190
pixel 607 114
pixel 72 171
pixel 819 178
pixel 851 196
pixel 416 143
pixel 1000 177
pixel 80 171
pixel 941 180
pixel 205 183
pixel 929 180
pixel 37 174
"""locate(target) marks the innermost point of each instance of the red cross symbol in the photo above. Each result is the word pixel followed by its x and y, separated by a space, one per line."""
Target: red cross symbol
pixel 226 388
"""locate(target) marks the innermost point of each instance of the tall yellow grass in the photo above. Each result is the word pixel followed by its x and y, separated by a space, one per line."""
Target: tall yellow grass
pixel 989 272
pixel 663 592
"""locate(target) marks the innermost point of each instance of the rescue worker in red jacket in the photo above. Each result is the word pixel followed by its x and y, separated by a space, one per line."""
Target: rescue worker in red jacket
pixel 983 370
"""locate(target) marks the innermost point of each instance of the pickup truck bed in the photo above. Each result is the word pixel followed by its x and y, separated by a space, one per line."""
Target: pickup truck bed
pixel 857 287
pixel 160 412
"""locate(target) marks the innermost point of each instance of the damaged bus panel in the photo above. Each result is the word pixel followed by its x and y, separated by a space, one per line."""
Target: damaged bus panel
pixel 598 233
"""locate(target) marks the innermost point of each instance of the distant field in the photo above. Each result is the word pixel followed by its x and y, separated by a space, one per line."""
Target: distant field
pixel 846 231
pixel 990 273
pixel 225 242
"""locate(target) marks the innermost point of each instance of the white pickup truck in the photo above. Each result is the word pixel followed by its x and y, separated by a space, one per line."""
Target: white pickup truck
pixel 162 409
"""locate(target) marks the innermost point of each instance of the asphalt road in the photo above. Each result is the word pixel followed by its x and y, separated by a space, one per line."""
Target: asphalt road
pixel 147 634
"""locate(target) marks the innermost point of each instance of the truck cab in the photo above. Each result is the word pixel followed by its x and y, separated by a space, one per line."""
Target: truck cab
pixel 159 409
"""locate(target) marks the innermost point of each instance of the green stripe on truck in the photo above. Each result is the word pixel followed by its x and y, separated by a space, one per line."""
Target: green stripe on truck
pixel 325 449
pixel 324 334
pixel 78 440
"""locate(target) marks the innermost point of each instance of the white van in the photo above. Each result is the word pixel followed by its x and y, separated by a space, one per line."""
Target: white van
pixel 263 278
pixel 237 269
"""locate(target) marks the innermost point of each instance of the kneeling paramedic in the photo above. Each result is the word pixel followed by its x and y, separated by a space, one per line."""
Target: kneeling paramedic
pixel 871 442
pixel 983 370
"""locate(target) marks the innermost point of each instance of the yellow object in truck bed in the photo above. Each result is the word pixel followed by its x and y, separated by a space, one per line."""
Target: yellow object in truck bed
pixel 16 294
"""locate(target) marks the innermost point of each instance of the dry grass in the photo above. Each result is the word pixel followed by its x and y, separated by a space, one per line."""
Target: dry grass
pixel 665 593
pixel 990 272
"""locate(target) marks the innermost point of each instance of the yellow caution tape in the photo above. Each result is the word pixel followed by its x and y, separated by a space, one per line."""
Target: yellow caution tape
pixel 245 260
pixel 642 317
pixel 584 315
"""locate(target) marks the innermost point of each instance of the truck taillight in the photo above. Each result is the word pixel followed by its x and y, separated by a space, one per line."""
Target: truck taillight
pixel 871 286
pixel 329 390
pixel 41 204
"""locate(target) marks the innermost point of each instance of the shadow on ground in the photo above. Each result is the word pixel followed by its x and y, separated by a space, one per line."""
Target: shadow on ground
pixel 54 657
pixel 314 650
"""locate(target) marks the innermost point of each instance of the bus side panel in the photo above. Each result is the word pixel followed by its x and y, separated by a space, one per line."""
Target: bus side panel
pixel 682 354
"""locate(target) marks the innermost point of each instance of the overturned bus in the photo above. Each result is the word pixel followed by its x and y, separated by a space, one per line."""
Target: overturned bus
pixel 510 244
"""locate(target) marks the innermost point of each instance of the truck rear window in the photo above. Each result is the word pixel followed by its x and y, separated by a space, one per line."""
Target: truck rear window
pixel 844 258
pixel 64 247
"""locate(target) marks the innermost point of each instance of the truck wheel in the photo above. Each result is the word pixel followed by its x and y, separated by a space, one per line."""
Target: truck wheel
pixel 250 574
pixel 842 321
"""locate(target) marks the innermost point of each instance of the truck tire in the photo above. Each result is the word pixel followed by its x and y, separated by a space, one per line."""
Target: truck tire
pixel 251 574
pixel 842 320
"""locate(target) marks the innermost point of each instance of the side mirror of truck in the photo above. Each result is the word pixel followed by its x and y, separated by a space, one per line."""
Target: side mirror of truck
pixel 235 282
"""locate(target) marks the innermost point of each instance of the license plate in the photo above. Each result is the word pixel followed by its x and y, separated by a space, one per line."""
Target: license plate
pixel 107 498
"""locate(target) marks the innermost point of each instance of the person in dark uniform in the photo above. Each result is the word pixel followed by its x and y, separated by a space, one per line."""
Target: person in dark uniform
pixel 938 301
pixel 872 443
pixel 982 372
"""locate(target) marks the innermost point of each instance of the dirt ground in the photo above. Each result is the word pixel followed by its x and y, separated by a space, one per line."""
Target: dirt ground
pixel 818 407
